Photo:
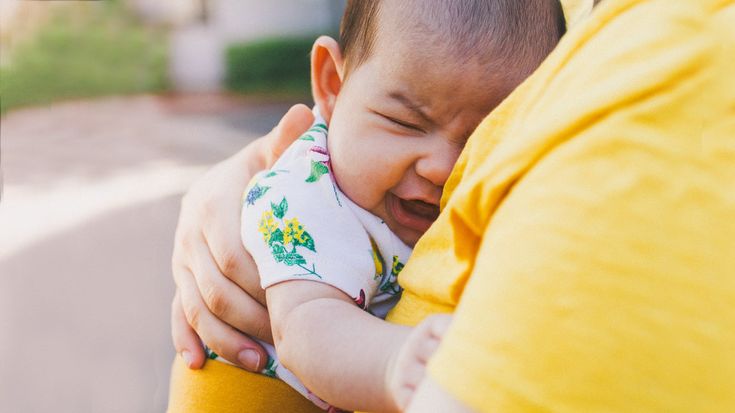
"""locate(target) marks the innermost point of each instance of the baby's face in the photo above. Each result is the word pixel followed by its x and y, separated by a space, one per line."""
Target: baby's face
pixel 398 125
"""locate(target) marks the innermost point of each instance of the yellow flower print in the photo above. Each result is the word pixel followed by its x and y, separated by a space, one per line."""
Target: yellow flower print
pixel 267 225
pixel 293 230
pixel 283 236
pixel 377 259
pixel 397 267
pixel 389 284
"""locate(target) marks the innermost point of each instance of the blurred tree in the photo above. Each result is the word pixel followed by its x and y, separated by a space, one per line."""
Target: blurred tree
pixel 94 50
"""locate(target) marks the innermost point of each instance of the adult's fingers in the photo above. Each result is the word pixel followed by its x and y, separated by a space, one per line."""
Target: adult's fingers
pixel 208 246
pixel 221 235
pixel 227 301
pixel 220 337
pixel 186 340
pixel 232 260
pixel 294 123
pixel 221 229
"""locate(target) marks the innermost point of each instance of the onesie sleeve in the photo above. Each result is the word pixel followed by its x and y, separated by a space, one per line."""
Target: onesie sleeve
pixel 297 226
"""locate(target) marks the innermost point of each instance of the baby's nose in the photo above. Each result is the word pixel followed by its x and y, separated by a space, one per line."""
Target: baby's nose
pixel 437 164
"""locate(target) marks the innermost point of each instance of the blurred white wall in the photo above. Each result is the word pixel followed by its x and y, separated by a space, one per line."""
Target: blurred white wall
pixel 171 12
pixel 197 47
pixel 200 29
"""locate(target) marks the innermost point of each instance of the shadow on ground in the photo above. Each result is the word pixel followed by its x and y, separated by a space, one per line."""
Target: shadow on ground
pixel 85 316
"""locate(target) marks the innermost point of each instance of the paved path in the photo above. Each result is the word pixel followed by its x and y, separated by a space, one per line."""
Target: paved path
pixel 91 195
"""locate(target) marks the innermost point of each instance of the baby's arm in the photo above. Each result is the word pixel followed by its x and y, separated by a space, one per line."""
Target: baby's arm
pixel 340 352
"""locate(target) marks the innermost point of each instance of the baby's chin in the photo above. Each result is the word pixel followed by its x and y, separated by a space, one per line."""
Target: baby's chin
pixel 409 236
pixel 411 240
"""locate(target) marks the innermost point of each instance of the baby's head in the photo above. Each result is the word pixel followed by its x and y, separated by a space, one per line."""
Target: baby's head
pixel 407 84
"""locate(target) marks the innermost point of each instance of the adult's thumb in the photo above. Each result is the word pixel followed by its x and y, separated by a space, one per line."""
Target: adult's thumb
pixel 294 123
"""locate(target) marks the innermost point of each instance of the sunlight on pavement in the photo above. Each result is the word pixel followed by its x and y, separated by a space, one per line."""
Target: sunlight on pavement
pixel 29 215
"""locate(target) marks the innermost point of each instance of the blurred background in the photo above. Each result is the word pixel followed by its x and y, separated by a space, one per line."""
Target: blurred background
pixel 108 111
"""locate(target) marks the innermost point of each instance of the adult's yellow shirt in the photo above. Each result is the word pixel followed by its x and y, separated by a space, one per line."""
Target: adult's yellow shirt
pixel 587 238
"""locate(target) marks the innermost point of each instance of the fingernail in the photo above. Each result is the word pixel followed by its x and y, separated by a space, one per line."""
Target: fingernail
pixel 249 359
pixel 186 355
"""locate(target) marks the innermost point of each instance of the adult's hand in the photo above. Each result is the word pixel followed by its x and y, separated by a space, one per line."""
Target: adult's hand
pixel 218 293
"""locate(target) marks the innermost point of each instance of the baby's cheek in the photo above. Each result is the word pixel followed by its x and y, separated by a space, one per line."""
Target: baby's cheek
pixel 359 179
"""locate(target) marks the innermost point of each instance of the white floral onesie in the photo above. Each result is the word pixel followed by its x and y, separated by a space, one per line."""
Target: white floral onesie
pixel 298 225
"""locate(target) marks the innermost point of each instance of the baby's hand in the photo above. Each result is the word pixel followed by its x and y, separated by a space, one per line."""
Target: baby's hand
pixel 408 365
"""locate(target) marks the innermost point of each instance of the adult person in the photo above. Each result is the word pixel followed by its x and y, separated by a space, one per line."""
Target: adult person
pixel 586 241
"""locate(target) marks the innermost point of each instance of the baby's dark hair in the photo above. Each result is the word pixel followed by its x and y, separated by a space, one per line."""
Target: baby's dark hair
pixel 522 32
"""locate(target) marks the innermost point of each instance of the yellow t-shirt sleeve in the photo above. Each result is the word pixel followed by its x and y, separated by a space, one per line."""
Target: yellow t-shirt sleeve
pixel 604 279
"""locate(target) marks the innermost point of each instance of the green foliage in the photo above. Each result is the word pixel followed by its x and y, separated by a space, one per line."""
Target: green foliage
pixel 272 66
pixel 102 51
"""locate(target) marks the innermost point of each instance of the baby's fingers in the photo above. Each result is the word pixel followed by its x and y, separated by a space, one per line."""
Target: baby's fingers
pixel 410 366
pixel 438 324
pixel 433 329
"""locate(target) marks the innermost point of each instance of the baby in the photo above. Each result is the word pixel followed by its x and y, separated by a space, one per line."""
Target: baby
pixel 331 225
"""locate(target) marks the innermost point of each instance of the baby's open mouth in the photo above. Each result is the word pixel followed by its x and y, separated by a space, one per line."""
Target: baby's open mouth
pixel 421 208
pixel 414 214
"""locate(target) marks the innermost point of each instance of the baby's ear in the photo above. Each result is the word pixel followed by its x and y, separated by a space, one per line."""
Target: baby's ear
pixel 326 74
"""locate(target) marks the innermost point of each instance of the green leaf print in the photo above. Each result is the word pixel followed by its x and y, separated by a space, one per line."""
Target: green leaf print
pixel 319 127
pixel 317 170
pixel 293 258
pixel 389 284
pixel 276 236
pixel 283 236
pixel 279 252
pixel 280 210
pixel 397 267
pixel 283 205
pixel 306 241
pixel 270 367
pixel 306 137
pixel 274 172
